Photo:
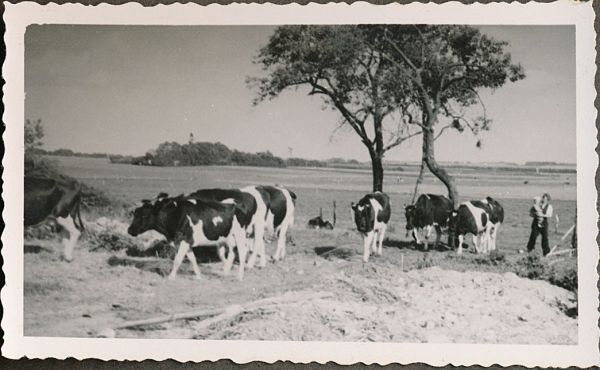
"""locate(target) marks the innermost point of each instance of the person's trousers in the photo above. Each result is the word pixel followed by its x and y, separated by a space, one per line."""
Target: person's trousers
pixel 535 231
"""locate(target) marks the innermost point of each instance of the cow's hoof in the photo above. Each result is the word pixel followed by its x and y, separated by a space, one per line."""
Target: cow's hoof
pixel 197 277
pixel 171 277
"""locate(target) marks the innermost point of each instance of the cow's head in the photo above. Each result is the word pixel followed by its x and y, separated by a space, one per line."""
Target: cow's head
pixel 146 215
pixel 410 213
pixel 144 218
pixel 364 216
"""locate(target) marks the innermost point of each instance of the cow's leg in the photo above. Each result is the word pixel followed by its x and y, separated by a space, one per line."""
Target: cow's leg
pixel 221 251
pixel 438 235
pixel 427 231
pixel 69 244
pixel 252 248
pixel 461 239
pixel 381 236
pixel 374 242
pixel 494 235
pixel 182 250
pixel 229 261
pixel 190 255
pixel 240 241
pixel 416 236
pixel 367 239
pixel 259 242
pixel 476 240
pixel 281 235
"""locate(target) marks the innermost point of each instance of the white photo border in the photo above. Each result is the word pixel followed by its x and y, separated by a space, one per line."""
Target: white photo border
pixel 18 16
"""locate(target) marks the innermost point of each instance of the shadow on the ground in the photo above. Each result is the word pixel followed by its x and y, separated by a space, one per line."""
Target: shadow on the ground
pixel 330 252
pixel 412 245
pixel 34 248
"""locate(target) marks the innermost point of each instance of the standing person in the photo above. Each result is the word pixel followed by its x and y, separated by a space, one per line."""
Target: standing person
pixel 541 212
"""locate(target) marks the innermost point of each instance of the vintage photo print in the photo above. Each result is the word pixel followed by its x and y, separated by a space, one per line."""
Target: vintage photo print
pixel 348 183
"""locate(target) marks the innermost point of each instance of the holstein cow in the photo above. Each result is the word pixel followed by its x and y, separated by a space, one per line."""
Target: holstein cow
pixel 187 222
pixel 280 215
pixel 428 212
pixel 371 215
pixel 262 198
pixel 246 206
pixel 496 213
pixel 49 199
pixel 471 218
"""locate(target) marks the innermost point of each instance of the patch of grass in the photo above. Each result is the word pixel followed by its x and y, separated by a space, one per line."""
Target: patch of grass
pixel 495 258
pixel 108 241
pixel 160 249
pixel 425 262
pixel 530 267
pixel 43 288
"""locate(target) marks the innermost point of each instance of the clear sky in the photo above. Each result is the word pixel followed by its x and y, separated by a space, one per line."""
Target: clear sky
pixel 126 89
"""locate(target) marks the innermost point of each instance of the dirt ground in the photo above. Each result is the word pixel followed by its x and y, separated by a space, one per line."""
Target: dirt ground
pixel 406 295
pixel 394 298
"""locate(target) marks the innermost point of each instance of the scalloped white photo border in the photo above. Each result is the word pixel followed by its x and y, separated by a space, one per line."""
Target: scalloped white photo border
pixel 18 17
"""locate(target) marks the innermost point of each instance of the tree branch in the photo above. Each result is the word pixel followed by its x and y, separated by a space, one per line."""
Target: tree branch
pixel 400 140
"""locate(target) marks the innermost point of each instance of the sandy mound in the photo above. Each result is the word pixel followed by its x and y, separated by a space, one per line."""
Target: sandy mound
pixel 429 305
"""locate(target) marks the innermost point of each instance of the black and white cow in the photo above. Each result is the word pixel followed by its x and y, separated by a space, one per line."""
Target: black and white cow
pixel 496 213
pixel 473 218
pixel 263 199
pixel 188 222
pixel 49 199
pixel 245 203
pixel 280 215
pixel 429 211
pixel 371 215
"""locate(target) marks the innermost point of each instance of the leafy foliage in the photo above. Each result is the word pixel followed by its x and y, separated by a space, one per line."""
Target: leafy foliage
pixel 34 133
pixel 389 82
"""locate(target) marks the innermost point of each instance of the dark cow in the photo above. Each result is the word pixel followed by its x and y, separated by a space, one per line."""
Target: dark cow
pixel 471 218
pixel 188 222
pixel 429 211
pixel 49 199
pixel 280 215
pixel 319 223
pixel 371 215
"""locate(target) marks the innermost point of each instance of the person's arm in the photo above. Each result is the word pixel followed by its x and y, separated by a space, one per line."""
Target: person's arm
pixel 549 212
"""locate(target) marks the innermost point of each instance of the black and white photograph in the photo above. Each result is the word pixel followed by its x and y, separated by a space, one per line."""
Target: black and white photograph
pixel 365 181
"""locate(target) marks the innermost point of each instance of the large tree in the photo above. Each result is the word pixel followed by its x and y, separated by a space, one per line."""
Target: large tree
pixel 340 64
pixel 443 68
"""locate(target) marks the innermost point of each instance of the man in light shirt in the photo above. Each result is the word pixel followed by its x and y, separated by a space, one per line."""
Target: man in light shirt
pixel 541 212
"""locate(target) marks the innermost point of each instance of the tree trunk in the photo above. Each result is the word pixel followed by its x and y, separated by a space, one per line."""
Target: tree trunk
pixel 377 167
pixel 436 170
pixel 419 181
pixel 377 154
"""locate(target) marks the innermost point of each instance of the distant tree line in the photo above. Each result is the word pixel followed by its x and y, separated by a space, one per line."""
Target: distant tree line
pixel 68 153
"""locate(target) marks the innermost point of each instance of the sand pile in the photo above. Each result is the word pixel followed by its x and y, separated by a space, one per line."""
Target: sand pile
pixel 428 305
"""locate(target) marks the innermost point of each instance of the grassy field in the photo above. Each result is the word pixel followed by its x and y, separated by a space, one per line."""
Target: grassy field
pixel 59 301
pixel 318 188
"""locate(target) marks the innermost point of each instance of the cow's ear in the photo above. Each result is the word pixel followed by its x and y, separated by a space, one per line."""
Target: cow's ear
pixel 353 206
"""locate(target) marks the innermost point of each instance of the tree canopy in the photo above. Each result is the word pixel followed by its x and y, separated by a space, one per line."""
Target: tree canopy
pixel 390 82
